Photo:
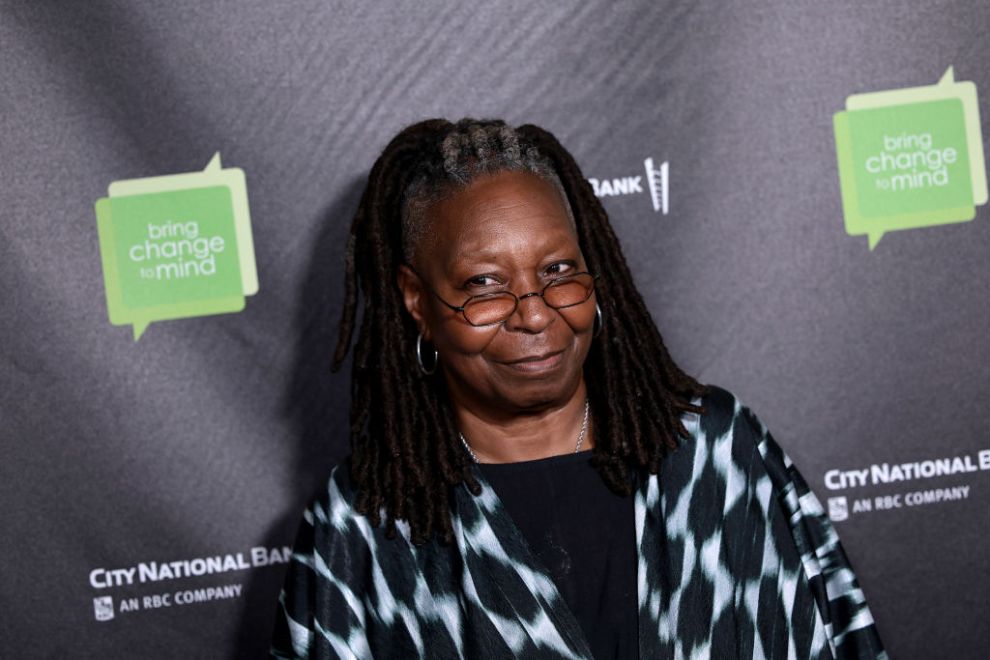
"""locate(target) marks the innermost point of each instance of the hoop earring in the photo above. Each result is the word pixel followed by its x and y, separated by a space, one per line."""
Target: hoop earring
pixel 419 356
pixel 601 321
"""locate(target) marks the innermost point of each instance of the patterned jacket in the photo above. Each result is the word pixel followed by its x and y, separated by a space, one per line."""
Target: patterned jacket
pixel 736 560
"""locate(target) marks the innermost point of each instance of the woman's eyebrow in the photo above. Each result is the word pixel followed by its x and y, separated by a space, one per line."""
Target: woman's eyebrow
pixel 483 259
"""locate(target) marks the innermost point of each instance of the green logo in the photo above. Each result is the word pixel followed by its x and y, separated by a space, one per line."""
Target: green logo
pixel 176 246
pixel 910 158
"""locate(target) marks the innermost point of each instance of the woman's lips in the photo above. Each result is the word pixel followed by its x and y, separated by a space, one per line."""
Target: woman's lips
pixel 529 365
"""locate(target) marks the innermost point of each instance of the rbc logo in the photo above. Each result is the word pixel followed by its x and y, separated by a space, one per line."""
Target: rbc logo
pixel 103 608
pixel 838 508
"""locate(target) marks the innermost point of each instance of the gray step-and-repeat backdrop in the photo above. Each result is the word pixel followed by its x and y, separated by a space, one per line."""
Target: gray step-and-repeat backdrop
pixel 799 188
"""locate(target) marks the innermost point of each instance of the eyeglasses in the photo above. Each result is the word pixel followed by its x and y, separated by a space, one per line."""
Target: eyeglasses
pixel 493 308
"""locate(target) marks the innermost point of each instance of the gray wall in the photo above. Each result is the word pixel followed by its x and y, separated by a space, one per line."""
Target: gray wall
pixel 205 437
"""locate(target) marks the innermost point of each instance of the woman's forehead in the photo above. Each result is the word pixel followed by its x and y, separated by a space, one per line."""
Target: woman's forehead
pixel 500 212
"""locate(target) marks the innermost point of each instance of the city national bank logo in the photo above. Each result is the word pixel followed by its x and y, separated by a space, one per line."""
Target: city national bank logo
pixel 655 180
pixel 910 158
pixel 154 571
pixel 166 579
pixel 911 480
pixel 176 246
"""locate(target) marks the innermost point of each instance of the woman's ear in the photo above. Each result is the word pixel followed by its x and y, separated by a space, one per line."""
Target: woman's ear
pixel 413 296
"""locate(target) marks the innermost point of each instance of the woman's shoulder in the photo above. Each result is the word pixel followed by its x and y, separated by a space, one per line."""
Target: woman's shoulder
pixel 726 429
pixel 729 448
pixel 334 499
pixel 723 413
pixel 334 508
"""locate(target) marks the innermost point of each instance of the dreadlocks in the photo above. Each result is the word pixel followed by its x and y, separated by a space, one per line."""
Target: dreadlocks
pixel 407 457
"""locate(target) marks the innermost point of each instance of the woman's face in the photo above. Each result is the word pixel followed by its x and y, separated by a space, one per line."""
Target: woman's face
pixel 504 231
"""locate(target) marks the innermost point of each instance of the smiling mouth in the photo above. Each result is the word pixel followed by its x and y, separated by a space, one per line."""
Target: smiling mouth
pixel 537 362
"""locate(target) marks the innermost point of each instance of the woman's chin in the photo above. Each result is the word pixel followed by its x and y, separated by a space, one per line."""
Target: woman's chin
pixel 535 396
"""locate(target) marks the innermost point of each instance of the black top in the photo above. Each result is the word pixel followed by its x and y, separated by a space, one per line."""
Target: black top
pixel 585 536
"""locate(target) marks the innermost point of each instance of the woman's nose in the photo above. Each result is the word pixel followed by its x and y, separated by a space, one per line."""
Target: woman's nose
pixel 532 314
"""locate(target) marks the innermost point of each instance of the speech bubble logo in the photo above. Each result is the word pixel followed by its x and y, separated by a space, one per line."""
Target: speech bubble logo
pixel 910 158
pixel 176 246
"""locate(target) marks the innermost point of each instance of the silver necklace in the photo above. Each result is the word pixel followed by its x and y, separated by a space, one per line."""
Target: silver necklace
pixel 584 428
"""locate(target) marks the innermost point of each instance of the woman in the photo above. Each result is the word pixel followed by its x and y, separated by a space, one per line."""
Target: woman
pixel 531 474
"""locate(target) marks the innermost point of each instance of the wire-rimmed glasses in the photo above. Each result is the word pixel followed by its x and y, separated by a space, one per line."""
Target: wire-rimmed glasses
pixel 494 308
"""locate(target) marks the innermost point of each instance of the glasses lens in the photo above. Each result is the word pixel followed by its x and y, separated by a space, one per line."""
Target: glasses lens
pixel 489 309
pixel 569 290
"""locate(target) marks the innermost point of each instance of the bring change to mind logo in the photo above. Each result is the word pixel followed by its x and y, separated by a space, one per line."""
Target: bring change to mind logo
pixel 910 158
pixel 176 246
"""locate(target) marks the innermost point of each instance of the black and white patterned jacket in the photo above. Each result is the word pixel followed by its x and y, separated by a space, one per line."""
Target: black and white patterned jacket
pixel 736 560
